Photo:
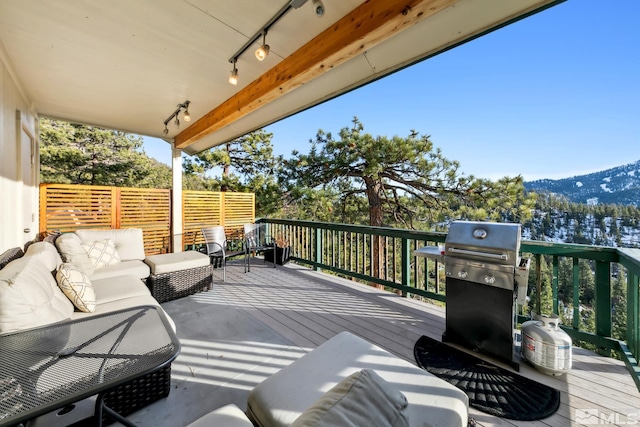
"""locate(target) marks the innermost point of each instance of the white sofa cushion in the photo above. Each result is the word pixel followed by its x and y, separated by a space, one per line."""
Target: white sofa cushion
pixel 280 399
pixel 361 399
pixel 120 304
pixel 77 287
pixel 129 268
pixel 102 253
pixel 129 242
pixel 125 286
pixel 46 253
pixel 30 297
pixel 168 263
pixel 70 247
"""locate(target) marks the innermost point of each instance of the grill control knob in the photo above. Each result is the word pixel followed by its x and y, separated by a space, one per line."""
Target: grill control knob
pixel 462 274
pixel 490 280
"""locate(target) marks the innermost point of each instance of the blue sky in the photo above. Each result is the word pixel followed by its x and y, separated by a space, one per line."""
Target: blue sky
pixel 552 96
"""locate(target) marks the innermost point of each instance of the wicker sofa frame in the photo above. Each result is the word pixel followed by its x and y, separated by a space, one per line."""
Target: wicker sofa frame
pixel 129 397
pixel 177 284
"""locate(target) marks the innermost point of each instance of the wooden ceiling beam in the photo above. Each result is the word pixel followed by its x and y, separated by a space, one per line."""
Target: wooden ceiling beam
pixel 364 27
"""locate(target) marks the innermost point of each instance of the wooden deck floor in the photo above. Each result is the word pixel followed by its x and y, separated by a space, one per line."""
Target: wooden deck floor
pixel 244 330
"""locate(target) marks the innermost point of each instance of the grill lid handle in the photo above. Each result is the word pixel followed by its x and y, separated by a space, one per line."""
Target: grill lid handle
pixel 502 257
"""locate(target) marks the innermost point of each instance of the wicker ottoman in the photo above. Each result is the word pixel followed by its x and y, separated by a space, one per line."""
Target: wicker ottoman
pixel 178 275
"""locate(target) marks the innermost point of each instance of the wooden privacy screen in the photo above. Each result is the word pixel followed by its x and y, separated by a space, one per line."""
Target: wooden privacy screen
pixel 206 208
pixel 68 207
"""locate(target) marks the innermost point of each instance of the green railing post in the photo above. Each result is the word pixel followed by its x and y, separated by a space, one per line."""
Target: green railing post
pixel 318 248
pixel 603 298
pixel 633 311
pixel 554 284
pixel 603 302
pixel 576 294
pixel 405 259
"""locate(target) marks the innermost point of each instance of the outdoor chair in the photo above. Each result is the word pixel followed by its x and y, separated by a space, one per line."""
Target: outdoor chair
pixel 257 240
pixel 216 244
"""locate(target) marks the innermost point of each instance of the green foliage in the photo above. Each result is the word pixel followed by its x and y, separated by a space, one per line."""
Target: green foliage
pixel 619 303
pixel 78 154
pixel 554 217
pixel 245 164
pixel 399 180
pixel 546 292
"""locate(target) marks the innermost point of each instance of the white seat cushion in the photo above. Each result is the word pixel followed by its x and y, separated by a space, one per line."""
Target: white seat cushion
pixel 168 263
pixel 122 287
pixel 129 268
pixel 282 397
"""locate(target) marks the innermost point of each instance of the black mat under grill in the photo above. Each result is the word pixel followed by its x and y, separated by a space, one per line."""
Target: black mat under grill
pixel 490 388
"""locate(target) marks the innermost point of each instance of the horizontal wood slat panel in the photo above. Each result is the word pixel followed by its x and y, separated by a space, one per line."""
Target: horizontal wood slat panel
pixel 68 207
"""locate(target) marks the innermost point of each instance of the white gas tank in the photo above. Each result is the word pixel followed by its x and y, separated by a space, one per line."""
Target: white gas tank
pixel 545 345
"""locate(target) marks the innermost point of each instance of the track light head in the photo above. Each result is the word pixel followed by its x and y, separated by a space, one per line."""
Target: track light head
pixel 233 77
pixel 166 130
pixel 262 52
pixel 186 116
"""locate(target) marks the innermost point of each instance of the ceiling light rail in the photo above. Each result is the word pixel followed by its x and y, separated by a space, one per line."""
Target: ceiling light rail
pixel 186 116
pixel 264 49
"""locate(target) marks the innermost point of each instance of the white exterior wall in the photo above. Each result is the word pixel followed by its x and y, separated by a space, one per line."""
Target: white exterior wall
pixel 19 162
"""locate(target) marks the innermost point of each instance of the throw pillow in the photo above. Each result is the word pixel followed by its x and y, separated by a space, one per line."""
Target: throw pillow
pixel 362 399
pixel 102 253
pixel 75 284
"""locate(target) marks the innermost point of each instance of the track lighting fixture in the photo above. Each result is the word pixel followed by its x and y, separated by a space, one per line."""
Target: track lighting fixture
pixel 186 116
pixel 263 50
pixel 233 77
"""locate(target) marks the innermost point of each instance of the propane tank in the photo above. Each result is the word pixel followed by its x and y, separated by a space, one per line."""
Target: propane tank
pixel 545 345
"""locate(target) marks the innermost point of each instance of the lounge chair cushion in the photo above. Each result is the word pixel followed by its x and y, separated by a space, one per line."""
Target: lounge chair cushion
pixel 362 398
pixel 75 284
pixel 280 399
pixel 226 416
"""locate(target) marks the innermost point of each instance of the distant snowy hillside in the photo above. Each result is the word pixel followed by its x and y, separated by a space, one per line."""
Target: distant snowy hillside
pixel 620 185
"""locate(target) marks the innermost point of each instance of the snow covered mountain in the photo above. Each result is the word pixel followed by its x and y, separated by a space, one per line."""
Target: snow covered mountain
pixel 619 185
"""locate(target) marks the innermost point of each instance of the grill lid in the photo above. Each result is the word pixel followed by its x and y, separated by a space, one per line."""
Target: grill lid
pixel 486 241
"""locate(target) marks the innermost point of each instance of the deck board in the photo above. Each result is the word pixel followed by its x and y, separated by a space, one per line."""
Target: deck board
pixel 302 308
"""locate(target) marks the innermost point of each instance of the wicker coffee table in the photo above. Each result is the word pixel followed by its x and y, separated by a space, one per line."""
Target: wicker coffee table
pixel 50 367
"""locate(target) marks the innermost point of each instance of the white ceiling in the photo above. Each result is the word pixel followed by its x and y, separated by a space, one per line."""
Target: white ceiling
pixel 127 64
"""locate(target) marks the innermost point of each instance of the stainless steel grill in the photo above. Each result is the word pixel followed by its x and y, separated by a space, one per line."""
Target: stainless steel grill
pixel 485 277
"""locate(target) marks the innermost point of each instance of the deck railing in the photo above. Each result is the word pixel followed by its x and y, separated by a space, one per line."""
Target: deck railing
pixel 384 256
